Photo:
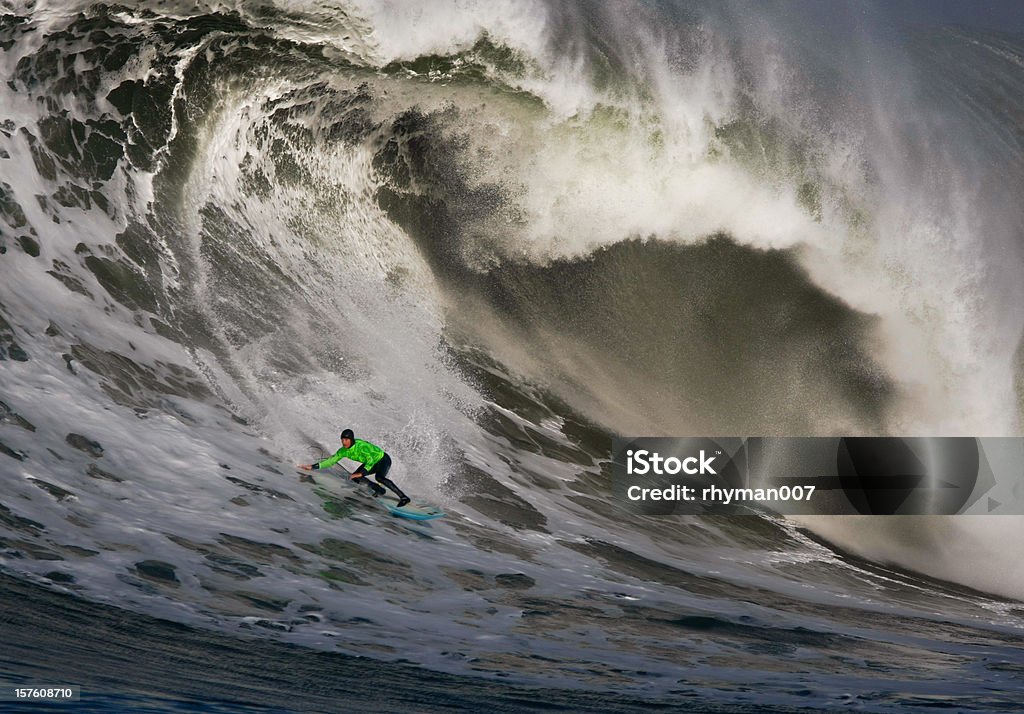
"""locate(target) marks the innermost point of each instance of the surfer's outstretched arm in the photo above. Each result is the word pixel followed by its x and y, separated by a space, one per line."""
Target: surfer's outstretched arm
pixel 325 463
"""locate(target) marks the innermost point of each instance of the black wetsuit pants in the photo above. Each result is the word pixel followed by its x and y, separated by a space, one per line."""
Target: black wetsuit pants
pixel 380 474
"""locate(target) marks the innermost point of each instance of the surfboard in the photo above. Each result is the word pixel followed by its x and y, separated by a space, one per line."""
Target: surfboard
pixel 334 488
pixel 412 510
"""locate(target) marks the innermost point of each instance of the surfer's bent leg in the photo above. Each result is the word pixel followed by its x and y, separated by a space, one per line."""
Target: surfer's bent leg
pixel 380 472
pixel 359 477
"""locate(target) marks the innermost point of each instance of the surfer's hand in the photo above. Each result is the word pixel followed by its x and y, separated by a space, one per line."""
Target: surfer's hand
pixel 306 467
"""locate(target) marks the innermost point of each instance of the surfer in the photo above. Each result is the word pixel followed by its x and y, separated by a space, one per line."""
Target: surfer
pixel 370 456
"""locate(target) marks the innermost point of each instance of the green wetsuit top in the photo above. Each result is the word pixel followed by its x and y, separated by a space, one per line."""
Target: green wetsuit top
pixel 362 451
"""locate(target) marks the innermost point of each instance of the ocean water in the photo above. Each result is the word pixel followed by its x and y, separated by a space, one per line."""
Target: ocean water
pixel 490 237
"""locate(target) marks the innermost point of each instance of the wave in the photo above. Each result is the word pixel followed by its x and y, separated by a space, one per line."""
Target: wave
pixel 490 238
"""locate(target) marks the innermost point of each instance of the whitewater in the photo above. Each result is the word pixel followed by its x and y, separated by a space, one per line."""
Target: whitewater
pixel 490 237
